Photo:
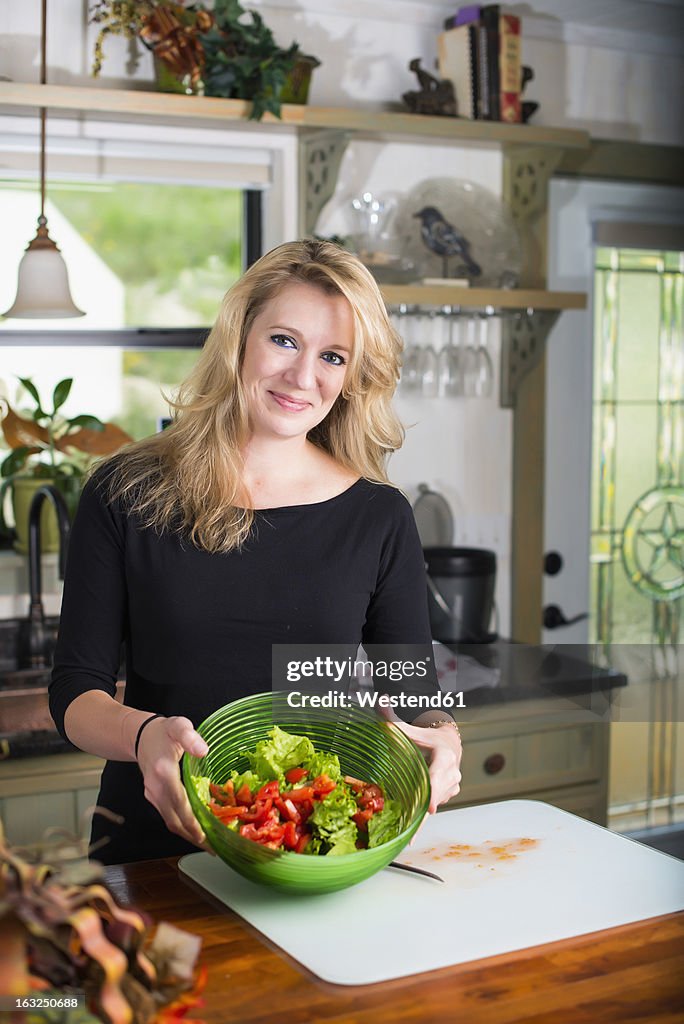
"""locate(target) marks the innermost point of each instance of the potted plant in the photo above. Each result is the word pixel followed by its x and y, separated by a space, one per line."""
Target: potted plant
pixel 243 61
pixel 49 448
pixel 226 51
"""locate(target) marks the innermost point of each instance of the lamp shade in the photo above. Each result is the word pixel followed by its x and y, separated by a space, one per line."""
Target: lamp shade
pixel 43 285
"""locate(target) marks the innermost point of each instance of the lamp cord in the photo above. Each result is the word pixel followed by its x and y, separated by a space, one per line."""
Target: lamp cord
pixel 43 111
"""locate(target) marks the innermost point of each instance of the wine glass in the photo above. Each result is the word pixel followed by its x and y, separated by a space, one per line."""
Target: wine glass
pixel 429 379
pixel 484 370
pixel 411 371
pixel 449 359
pixel 470 361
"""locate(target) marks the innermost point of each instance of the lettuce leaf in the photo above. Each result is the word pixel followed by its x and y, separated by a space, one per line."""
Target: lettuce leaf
pixel 332 823
pixel 202 787
pixel 249 777
pixel 321 763
pixel 385 825
pixel 273 757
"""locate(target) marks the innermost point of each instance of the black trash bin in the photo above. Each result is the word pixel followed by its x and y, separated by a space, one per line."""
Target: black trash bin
pixel 460 593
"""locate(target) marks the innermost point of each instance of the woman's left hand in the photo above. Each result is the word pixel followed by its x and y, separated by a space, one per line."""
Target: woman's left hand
pixel 445 749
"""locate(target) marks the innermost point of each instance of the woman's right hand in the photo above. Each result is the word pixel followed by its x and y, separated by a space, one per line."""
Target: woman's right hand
pixel 162 744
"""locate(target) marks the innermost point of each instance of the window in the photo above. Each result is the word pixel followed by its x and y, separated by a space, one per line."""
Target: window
pixel 155 223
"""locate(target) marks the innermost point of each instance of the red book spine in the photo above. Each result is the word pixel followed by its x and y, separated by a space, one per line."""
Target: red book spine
pixel 509 68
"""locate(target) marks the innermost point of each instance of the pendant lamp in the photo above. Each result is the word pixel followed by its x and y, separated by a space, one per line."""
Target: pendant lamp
pixel 43 285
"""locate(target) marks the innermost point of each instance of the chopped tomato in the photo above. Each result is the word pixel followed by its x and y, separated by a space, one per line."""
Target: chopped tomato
pixel 302 842
pixel 291 836
pixel 303 793
pixel 269 791
pixel 305 808
pixel 361 819
pixel 258 811
pixel 244 795
pixel 223 794
pixel 248 831
pixel 287 809
pixel 371 797
pixel 323 785
pixel 228 812
pixel 266 834
pixel 296 774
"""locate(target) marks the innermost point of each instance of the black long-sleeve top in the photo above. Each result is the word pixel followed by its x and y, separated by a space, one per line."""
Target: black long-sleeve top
pixel 198 627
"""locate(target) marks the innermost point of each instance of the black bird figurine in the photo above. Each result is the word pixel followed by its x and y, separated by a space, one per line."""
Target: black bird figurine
pixel 443 239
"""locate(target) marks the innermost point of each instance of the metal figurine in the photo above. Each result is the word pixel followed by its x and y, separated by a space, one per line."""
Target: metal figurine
pixel 436 96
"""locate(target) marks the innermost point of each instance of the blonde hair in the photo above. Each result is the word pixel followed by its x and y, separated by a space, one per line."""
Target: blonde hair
pixel 188 478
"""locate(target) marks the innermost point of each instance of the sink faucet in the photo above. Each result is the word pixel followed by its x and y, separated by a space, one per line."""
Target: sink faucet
pixel 34 641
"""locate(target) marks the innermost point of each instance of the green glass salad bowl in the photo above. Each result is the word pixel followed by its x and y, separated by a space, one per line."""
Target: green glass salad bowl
pixel 368 749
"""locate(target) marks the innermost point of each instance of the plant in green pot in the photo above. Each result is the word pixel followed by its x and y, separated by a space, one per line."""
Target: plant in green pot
pixel 243 61
pixel 49 448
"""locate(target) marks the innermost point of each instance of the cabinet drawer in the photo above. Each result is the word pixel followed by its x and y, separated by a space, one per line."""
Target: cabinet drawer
pixel 489 763
pixel 545 758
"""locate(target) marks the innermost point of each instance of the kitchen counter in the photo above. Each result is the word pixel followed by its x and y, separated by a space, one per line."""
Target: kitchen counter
pixel 504 671
pixel 631 973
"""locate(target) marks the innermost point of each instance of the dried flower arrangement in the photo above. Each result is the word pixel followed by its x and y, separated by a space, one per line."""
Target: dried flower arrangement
pixel 62 931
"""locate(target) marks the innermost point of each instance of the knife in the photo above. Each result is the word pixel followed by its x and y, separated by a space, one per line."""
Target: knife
pixel 415 871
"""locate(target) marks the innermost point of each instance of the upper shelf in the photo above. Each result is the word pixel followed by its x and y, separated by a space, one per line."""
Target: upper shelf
pixel 480 298
pixel 138 103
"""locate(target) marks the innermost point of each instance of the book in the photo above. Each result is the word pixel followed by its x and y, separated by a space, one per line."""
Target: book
pixel 510 68
pixel 464 16
pixel 457 61
pixel 483 69
pixel 489 54
pixel 501 53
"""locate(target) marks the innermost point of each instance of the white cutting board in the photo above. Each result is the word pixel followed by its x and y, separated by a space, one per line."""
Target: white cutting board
pixel 500 894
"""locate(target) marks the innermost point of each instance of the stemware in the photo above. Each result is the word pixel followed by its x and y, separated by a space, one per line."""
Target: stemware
pixel 429 380
pixel 484 370
pixel 470 362
pixel 411 380
pixel 449 360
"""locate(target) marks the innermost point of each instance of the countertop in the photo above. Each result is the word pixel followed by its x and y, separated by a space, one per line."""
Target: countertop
pixel 504 671
pixel 496 673
pixel 631 973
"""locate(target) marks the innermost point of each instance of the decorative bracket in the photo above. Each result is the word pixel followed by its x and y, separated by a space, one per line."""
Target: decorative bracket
pixel 523 337
pixel 527 172
pixel 320 156
pixel 526 176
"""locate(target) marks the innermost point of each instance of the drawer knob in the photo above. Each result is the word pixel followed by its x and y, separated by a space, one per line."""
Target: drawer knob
pixel 494 763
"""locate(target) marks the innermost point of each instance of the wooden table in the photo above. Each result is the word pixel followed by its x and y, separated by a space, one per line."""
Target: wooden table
pixel 625 975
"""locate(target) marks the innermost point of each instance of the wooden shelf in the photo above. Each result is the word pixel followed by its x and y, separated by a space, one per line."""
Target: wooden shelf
pixel 138 103
pixel 479 298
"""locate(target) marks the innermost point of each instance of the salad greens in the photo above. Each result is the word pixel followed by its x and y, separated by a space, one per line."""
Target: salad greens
pixel 295 797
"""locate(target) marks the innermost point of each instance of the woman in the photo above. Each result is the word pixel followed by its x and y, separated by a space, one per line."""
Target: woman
pixel 262 515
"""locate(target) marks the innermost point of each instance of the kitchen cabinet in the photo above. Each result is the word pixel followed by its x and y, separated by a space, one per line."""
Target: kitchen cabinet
pixel 536 750
pixel 37 793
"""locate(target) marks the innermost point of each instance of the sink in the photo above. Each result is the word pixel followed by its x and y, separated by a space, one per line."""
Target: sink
pixel 23 691
pixel 26 726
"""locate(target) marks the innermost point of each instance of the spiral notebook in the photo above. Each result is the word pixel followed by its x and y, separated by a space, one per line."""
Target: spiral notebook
pixel 457 58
